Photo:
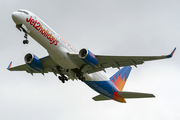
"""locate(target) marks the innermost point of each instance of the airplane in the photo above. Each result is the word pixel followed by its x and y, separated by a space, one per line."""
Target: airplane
pixel 67 63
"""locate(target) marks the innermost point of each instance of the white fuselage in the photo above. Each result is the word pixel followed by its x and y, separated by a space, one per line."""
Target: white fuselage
pixel 56 46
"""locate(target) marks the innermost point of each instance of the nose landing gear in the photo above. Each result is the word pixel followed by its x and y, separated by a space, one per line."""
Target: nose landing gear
pixel 25 36
pixel 23 28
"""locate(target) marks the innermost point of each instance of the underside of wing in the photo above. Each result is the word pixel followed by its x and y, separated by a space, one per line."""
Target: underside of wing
pixel 18 68
pixel 106 61
pixel 48 66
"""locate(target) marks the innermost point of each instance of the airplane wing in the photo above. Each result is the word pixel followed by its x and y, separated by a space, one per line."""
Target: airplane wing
pixel 48 66
pixel 105 61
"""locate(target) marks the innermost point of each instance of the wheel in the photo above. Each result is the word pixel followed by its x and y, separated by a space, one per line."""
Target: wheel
pixel 25 41
pixel 83 79
pixel 80 77
pixel 66 78
pixel 61 79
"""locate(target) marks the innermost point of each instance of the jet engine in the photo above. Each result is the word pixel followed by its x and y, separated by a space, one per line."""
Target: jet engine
pixel 88 57
pixel 33 62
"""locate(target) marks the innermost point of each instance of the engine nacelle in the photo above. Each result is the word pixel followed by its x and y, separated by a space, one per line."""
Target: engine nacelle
pixel 33 61
pixel 88 57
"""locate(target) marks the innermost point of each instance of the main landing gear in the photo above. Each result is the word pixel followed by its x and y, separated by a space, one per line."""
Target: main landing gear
pixel 63 78
pixel 62 72
pixel 23 28
pixel 80 77
pixel 80 74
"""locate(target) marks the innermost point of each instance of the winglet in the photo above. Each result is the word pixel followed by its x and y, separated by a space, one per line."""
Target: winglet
pixel 10 65
pixel 170 55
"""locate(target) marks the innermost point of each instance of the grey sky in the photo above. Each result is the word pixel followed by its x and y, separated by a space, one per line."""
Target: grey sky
pixel 114 27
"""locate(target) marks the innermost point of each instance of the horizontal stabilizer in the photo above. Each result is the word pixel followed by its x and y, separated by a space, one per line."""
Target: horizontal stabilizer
pixel 134 94
pixel 100 98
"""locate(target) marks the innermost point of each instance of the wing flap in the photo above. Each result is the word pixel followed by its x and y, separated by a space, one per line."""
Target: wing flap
pixel 134 94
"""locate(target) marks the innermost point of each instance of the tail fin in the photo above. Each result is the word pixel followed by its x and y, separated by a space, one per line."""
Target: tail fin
pixel 120 77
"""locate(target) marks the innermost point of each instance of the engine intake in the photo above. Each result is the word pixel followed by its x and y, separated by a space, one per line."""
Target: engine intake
pixel 33 61
pixel 88 57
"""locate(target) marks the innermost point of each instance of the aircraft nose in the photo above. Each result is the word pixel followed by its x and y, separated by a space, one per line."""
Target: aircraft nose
pixel 16 17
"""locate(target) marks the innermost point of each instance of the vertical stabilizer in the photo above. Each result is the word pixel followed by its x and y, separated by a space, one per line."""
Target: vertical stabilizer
pixel 120 77
pixel 10 65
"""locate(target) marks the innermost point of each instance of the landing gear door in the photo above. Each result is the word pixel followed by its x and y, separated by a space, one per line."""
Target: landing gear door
pixel 24 28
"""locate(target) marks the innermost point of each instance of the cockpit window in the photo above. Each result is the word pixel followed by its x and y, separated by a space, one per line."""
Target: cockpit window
pixel 23 12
